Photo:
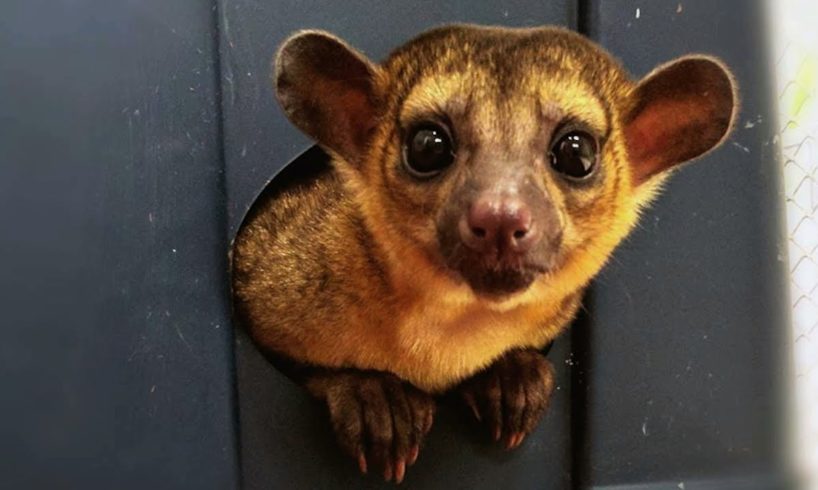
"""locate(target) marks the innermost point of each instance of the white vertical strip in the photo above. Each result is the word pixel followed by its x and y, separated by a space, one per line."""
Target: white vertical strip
pixel 795 34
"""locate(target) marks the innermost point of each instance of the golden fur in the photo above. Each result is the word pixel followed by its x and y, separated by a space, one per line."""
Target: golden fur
pixel 343 270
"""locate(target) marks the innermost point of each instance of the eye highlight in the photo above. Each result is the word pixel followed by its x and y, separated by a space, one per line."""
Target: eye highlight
pixel 575 154
pixel 427 150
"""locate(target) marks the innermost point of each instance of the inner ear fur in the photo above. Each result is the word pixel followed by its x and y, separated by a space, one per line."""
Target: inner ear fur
pixel 680 111
pixel 326 89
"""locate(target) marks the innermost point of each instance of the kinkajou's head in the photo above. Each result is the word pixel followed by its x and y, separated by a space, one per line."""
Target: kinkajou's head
pixel 502 157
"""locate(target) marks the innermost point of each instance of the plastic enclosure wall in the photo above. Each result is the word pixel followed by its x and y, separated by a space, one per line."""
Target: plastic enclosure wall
pixel 140 133
pixel 117 361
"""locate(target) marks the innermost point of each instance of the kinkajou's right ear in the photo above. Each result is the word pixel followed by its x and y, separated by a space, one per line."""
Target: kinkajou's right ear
pixel 326 89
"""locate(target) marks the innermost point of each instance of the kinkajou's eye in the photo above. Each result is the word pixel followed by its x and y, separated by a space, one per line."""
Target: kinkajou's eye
pixel 575 154
pixel 427 150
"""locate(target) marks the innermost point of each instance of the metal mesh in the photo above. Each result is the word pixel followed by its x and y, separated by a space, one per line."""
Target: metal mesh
pixel 797 67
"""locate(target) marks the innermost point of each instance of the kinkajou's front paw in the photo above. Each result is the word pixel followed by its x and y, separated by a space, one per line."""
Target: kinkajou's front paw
pixel 378 419
pixel 510 396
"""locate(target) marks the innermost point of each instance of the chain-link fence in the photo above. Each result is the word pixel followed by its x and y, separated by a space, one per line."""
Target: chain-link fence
pixel 797 67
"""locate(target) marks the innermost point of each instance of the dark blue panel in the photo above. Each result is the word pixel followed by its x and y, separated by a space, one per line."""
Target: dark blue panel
pixel 117 351
pixel 286 438
pixel 685 355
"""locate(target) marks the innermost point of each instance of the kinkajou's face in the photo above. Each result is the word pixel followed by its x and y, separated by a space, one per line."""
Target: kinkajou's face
pixel 503 169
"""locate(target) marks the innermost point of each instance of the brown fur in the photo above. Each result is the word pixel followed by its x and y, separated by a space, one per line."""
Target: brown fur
pixel 342 272
pixel 347 270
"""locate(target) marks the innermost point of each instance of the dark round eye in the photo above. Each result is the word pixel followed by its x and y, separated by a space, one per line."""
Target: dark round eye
pixel 574 154
pixel 427 150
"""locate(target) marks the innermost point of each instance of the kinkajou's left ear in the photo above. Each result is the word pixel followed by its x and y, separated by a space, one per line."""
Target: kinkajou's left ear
pixel 680 111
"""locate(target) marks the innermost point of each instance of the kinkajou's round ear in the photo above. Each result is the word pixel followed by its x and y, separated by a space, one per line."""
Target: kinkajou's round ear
pixel 680 111
pixel 326 89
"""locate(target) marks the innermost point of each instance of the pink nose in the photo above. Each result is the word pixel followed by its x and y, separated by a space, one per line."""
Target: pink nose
pixel 501 224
